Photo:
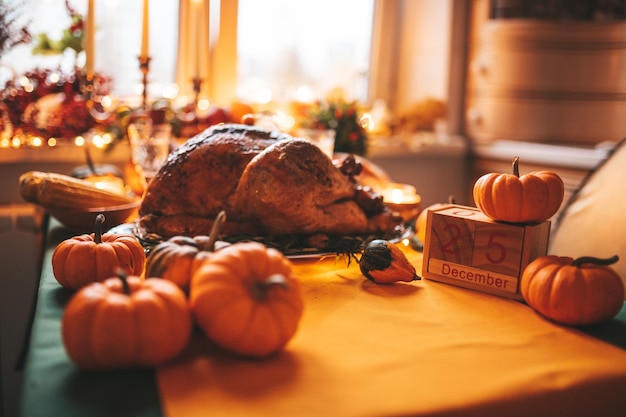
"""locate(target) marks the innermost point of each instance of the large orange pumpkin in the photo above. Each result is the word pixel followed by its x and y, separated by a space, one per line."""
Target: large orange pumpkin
pixel 573 292
pixel 533 197
pixel 88 258
pixel 126 322
pixel 246 299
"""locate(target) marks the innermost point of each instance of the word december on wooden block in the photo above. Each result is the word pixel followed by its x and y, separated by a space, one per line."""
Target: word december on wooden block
pixel 466 248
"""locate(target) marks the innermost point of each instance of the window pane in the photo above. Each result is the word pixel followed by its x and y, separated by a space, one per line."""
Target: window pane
pixel 284 45
pixel 118 39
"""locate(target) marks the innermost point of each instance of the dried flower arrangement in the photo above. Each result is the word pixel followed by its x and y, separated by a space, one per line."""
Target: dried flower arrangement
pixel 344 118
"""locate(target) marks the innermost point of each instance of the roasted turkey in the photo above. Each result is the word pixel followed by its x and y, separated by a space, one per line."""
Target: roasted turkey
pixel 269 184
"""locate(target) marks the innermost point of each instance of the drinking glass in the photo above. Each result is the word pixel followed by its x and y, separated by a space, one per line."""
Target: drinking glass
pixel 323 138
pixel 149 146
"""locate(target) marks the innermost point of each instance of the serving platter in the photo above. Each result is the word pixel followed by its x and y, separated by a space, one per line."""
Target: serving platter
pixel 293 247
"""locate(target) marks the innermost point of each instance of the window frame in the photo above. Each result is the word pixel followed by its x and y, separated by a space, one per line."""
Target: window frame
pixel 384 66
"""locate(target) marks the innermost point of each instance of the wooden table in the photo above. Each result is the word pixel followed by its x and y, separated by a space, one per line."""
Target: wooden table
pixel 413 349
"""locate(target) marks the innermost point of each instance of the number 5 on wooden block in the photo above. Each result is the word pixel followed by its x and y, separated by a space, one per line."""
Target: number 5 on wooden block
pixel 465 248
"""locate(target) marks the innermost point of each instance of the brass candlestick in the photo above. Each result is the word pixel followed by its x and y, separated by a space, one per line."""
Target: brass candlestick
pixel 144 67
pixel 92 97
pixel 197 86
pixel 88 87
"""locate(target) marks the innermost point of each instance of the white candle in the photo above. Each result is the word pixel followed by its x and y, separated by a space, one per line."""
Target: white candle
pixel 397 196
pixel 90 38
pixel 198 33
pixel 145 29
pixel 400 194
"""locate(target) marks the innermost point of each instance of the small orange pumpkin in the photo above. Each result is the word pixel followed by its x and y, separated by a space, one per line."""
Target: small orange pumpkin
pixel 178 257
pixel 246 299
pixel 533 197
pixel 126 322
pixel 88 258
pixel 573 292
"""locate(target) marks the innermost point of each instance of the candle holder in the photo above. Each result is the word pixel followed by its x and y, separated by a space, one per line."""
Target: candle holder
pixel 93 98
pixel 403 199
pixel 408 211
pixel 197 87
pixel 144 67
pixel 87 87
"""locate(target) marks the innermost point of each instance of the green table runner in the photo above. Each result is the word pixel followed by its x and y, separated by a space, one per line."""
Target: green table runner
pixel 54 386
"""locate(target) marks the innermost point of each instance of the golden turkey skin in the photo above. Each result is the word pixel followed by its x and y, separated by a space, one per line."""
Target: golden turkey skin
pixel 269 184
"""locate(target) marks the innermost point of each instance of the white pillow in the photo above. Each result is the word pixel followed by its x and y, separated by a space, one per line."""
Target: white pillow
pixel 593 223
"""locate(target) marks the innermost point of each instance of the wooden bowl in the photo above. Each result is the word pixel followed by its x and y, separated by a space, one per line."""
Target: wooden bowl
pixel 83 221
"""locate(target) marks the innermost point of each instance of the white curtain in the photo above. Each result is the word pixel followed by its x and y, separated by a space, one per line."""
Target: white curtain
pixel 207 47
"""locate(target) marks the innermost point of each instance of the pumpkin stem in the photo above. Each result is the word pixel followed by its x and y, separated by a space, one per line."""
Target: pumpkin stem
pixel 215 230
pixel 596 261
pixel 260 289
pixel 97 235
pixel 122 275
pixel 516 166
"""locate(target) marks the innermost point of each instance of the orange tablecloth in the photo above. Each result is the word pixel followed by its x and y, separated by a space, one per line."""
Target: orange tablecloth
pixel 408 349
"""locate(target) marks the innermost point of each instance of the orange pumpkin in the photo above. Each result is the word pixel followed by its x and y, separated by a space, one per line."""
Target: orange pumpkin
pixel 246 299
pixel 573 292
pixel 178 257
pixel 126 322
pixel 533 197
pixel 88 258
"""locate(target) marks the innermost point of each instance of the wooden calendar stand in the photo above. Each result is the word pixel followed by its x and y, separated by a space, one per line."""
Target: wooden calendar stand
pixel 464 247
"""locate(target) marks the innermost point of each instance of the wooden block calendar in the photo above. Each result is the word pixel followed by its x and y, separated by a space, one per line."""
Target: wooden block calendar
pixel 464 247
